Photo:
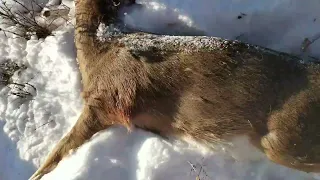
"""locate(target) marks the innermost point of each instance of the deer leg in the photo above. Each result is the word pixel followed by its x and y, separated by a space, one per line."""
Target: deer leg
pixel 88 124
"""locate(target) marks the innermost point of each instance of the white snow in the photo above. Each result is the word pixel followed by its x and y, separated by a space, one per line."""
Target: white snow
pixel 31 126
pixel 277 24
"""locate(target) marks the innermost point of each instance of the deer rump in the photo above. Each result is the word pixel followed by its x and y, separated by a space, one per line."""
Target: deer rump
pixel 206 88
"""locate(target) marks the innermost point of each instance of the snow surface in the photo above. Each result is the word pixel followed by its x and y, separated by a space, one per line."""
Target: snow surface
pixel 277 24
pixel 33 125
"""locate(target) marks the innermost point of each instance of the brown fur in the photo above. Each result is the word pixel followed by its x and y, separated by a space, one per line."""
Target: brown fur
pixel 209 95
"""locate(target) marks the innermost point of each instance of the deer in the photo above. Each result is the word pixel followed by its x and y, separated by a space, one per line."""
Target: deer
pixel 206 88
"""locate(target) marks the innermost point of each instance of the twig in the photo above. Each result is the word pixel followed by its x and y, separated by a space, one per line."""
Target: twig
pixel 25 19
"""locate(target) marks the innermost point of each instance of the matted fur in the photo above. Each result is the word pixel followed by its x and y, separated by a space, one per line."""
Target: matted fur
pixel 211 93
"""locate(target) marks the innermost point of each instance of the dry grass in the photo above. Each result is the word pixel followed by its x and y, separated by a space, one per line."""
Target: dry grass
pixel 199 170
pixel 26 19
pixel 7 70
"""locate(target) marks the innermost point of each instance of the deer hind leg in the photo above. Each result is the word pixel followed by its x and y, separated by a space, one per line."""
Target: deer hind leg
pixel 87 125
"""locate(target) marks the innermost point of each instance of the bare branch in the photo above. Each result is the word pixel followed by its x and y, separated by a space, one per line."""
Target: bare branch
pixel 26 18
